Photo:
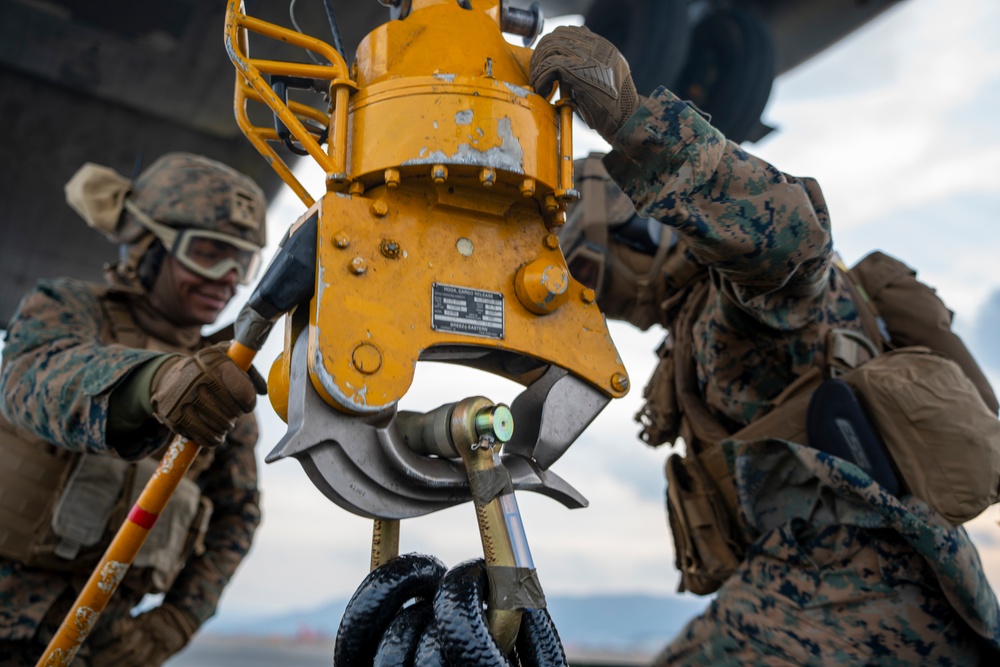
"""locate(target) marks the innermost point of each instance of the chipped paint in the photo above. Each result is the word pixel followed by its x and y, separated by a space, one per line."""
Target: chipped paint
pixel 356 402
pixel 450 78
pixel 465 247
pixel 509 155
pixel 85 620
pixel 235 55
pixel 464 117
pixel 61 658
pixel 436 125
pixel 167 464
pixel 517 90
pixel 321 284
pixel 111 575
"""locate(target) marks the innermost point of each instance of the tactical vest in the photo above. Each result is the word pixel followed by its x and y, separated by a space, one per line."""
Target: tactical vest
pixel 59 509
pixel 703 509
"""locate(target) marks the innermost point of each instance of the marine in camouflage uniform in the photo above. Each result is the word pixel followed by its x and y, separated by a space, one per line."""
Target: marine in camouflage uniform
pixel 87 373
pixel 837 570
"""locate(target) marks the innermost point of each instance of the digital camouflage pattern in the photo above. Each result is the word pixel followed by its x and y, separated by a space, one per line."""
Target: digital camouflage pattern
pixel 186 190
pixel 57 373
pixel 838 571
pixel 56 378
pixel 766 238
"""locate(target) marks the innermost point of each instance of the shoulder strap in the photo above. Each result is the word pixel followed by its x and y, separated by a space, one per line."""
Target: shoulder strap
pixel 866 309
pixel 846 349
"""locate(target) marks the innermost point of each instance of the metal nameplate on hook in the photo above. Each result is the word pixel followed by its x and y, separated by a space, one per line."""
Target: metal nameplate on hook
pixel 467 311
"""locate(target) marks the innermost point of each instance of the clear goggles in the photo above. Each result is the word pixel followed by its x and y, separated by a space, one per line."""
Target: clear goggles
pixel 207 253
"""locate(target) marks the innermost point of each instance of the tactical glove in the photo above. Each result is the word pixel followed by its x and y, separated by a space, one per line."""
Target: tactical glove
pixel 148 639
pixel 201 396
pixel 591 72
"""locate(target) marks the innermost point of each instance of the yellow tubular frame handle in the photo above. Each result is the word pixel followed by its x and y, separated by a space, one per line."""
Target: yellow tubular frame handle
pixel 249 78
pixel 127 541
pixel 565 192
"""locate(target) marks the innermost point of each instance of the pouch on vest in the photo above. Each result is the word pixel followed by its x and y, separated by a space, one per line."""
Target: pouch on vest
pixel 30 471
pixel 81 515
pixel 915 316
pixel 95 501
pixel 705 553
pixel 659 416
pixel 942 437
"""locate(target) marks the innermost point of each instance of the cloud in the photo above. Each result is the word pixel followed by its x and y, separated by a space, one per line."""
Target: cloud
pixel 920 128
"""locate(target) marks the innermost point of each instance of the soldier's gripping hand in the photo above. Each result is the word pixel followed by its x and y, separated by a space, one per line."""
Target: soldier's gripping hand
pixel 201 396
pixel 591 71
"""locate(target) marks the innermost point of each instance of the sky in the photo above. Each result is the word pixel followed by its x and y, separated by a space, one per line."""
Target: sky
pixel 898 124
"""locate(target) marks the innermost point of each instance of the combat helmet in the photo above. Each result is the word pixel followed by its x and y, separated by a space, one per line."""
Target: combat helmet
pixel 204 213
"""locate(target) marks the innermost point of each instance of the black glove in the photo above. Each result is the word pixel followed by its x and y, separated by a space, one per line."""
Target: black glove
pixel 590 71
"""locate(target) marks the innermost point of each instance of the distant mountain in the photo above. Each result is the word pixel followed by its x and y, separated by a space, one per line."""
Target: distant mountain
pixel 613 622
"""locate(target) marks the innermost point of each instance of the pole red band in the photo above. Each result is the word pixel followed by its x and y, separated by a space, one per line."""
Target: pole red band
pixel 141 517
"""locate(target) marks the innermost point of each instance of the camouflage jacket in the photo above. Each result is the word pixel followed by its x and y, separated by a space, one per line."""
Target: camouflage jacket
pixel 765 237
pixel 56 379
pixel 766 241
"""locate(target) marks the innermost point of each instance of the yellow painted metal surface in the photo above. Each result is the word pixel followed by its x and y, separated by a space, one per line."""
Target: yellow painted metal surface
pixel 446 177
pixel 444 87
pixel 393 285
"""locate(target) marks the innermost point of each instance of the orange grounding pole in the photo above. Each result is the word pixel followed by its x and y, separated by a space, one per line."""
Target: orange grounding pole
pixel 125 546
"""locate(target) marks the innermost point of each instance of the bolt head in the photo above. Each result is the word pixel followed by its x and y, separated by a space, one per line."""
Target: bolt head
pixel 358 266
pixel 551 241
pixel 390 249
pixel 379 208
pixel 341 240
pixel 496 422
pixel 366 358
pixel 619 382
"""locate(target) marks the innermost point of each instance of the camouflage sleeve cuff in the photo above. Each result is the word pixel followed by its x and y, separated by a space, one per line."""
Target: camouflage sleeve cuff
pixel 666 145
pixel 129 409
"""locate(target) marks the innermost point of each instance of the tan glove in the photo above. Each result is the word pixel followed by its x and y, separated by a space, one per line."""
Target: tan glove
pixel 201 396
pixel 148 639
pixel 591 72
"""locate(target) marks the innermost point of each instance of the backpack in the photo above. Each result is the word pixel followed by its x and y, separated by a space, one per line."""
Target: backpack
pixel 928 400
